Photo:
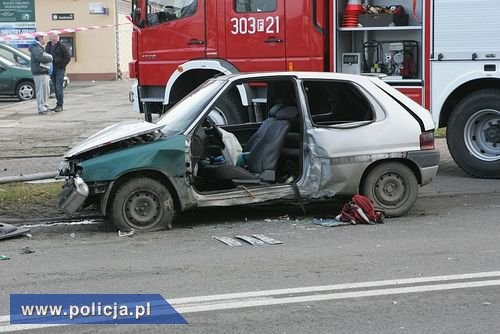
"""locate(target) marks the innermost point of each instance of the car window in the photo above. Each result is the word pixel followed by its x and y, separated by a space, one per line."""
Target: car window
pixel 253 6
pixel 160 11
pixel 14 55
pixel 336 102
pixel 6 62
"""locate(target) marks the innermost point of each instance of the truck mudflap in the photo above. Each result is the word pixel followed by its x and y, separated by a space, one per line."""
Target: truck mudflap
pixel 427 162
pixel 72 197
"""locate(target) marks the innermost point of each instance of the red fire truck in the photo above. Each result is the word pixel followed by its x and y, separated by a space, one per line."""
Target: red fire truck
pixel 444 54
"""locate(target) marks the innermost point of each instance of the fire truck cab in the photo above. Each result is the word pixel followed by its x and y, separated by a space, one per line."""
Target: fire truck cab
pixel 444 54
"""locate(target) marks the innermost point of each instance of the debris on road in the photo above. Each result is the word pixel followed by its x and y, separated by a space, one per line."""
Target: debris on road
pixel 4 257
pixel 26 250
pixel 229 241
pixel 126 234
pixel 266 239
pixel 330 222
pixel 251 240
pixel 10 231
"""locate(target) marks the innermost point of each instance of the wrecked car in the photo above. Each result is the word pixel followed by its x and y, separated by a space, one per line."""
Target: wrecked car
pixel 291 136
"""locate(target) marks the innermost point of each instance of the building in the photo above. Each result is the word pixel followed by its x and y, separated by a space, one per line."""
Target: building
pixel 98 54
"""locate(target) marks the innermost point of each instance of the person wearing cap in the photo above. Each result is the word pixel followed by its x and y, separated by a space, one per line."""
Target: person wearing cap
pixel 41 63
pixel 61 56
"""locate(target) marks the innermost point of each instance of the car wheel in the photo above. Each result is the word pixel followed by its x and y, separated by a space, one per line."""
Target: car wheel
pixel 142 204
pixel 25 90
pixel 473 134
pixel 391 186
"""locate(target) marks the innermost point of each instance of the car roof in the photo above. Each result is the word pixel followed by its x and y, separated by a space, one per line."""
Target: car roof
pixel 295 74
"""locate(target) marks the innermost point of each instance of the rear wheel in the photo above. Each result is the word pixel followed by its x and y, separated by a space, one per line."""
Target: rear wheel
pixel 473 134
pixel 142 204
pixel 391 186
pixel 25 90
pixel 227 110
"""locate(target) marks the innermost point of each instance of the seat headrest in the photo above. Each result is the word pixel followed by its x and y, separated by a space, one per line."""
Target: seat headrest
pixel 274 110
pixel 287 113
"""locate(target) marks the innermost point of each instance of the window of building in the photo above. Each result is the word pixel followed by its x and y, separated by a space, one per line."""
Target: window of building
pixel 160 11
pixel 335 102
pixel 253 6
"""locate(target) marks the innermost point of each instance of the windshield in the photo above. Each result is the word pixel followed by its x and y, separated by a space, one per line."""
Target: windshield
pixel 183 113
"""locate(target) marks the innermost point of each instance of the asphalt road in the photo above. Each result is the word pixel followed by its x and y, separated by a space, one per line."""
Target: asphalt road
pixel 449 234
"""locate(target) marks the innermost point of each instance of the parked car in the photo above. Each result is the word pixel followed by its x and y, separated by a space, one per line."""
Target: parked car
pixel 306 137
pixel 21 59
pixel 16 80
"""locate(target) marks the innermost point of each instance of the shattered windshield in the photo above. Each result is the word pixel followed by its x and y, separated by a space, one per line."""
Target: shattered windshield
pixel 183 113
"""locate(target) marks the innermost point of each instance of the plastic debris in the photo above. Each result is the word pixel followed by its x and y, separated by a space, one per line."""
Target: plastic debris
pixel 72 235
pixel 251 240
pixel 330 222
pixel 26 250
pixel 4 257
pixel 126 234
pixel 229 241
pixel 9 231
pixel 266 239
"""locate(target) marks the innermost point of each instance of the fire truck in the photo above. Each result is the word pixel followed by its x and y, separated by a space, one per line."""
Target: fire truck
pixel 444 54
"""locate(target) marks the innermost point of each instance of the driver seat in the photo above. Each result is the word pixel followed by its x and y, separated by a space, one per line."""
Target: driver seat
pixel 264 149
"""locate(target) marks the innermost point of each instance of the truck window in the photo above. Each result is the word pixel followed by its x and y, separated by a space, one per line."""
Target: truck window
pixel 333 102
pixel 160 11
pixel 252 6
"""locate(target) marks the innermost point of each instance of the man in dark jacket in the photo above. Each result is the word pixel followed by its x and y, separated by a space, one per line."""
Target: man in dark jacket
pixel 40 67
pixel 61 58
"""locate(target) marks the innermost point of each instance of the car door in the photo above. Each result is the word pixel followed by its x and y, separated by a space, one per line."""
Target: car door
pixel 6 79
pixel 344 135
pixel 255 34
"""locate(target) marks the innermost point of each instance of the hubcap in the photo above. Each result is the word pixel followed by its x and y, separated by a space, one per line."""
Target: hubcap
pixel 390 189
pixel 142 208
pixel 26 92
pixel 482 135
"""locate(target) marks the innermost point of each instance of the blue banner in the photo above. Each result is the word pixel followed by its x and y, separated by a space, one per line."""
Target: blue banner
pixel 92 309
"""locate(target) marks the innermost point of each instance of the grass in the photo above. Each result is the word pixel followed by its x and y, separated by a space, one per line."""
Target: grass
pixel 440 133
pixel 19 199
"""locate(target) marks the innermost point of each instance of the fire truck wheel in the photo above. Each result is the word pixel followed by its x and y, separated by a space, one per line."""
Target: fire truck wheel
pixel 391 186
pixel 227 111
pixel 473 133
pixel 142 204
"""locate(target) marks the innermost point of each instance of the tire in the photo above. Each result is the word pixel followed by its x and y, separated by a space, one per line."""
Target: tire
pixel 25 91
pixel 473 134
pixel 391 186
pixel 142 204
pixel 227 110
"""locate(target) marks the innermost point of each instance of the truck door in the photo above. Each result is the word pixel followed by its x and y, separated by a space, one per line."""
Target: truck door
pixel 173 32
pixel 255 34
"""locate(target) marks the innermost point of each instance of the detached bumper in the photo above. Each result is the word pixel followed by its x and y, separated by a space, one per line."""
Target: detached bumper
pixel 75 192
pixel 427 162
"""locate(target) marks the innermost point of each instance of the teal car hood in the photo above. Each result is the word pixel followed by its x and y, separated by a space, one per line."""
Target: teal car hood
pixel 114 133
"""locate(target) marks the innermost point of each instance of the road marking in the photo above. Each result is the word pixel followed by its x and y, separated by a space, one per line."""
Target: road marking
pixel 310 294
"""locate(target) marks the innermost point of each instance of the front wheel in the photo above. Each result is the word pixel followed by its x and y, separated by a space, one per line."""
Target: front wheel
pixel 25 90
pixel 142 204
pixel 473 134
pixel 391 186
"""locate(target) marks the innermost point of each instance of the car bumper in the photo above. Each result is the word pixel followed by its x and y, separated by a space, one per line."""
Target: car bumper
pixel 75 192
pixel 427 162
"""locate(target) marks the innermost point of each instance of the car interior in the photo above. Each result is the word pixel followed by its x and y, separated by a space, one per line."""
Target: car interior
pixel 270 142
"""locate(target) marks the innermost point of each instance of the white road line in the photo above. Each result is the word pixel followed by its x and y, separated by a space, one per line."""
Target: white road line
pixel 332 296
pixel 345 286
pixel 309 294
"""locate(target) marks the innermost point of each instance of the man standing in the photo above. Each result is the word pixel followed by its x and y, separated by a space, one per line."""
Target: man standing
pixel 61 58
pixel 40 65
